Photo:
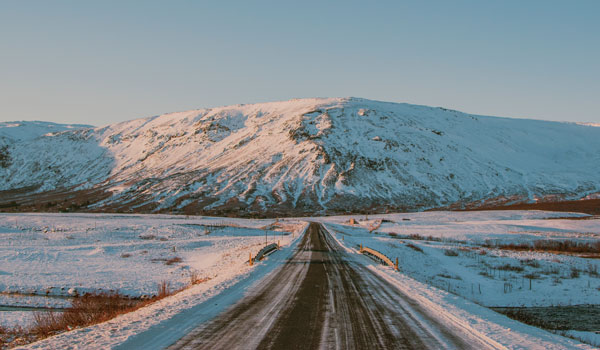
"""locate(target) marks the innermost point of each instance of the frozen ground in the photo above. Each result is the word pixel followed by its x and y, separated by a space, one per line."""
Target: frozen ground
pixel 46 258
pixel 454 259
pixel 38 251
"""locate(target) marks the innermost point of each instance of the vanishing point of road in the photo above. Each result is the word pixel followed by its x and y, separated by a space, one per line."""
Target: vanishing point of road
pixel 320 299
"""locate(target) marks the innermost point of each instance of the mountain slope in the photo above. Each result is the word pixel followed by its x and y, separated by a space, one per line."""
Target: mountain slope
pixel 303 156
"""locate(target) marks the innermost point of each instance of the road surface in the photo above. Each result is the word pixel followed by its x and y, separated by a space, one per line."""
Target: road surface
pixel 321 299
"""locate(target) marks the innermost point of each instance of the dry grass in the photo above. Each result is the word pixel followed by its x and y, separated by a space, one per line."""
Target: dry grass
pixel 174 260
pixel 414 247
pixel 450 252
pixel 509 267
pixel 15 336
pixel 552 246
pixel 527 318
pixel 84 311
pixel 91 309
pixel 588 206
pixel 164 289
pixel 196 279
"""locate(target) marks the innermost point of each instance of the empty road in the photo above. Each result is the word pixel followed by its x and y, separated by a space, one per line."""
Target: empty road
pixel 321 299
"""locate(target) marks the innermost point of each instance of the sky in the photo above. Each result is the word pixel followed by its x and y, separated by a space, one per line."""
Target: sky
pixel 100 62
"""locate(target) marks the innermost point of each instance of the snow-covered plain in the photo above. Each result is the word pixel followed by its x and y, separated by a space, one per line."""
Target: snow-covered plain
pixel 488 276
pixel 485 276
pixel 47 257
pixel 42 250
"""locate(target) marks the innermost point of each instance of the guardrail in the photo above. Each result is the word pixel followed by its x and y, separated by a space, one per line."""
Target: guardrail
pixel 266 250
pixel 379 256
pixel 376 225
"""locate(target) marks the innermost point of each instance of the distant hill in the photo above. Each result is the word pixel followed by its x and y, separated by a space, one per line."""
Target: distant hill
pixel 305 156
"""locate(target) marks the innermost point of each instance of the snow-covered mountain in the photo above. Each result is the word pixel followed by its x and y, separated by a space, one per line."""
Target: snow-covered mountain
pixel 295 157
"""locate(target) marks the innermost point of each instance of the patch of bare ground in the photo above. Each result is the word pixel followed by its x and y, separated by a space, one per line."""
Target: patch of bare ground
pixel 66 200
pixel 577 317
pixel 586 206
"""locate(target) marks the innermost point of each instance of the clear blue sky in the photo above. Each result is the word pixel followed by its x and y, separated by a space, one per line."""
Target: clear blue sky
pixel 106 61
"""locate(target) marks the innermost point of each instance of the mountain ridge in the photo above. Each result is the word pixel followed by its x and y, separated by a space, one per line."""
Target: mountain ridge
pixel 303 156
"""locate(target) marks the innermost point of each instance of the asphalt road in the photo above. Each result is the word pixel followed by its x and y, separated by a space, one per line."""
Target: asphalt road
pixel 321 299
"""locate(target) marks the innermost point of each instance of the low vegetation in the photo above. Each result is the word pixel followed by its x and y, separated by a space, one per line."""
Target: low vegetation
pixel 173 260
pixel 86 310
pixel 414 247
pixel 522 315
pixel 450 252
pixel 547 245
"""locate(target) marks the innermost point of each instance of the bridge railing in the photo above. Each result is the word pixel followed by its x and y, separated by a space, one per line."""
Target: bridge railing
pixel 266 250
pixel 379 256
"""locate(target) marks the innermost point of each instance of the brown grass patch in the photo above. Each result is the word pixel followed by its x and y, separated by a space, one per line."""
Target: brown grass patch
pixel 587 206
pixel 196 279
pixel 583 249
pixel 91 309
pixel 414 247
pixel 84 311
pixel 174 260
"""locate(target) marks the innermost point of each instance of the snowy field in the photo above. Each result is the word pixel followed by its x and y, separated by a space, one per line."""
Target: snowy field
pixel 448 260
pixel 451 252
pixel 47 258
pixel 456 252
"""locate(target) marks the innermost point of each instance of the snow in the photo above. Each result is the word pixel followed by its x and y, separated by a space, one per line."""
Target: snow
pixel 11 319
pixel 46 258
pixel 496 330
pixel 309 155
pixel 592 338
pixel 478 277
pixel 223 253
pixel 29 130
pixel 57 254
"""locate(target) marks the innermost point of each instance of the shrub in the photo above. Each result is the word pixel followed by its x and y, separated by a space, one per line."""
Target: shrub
pixel 548 245
pixel 450 252
pixel 574 272
pixel 174 260
pixel 531 262
pixel 164 289
pixel 147 237
pixel 509 267
pixel 196 279
pixel 532 276
pixel 522 315
pixel 84 311
pixel 414 247
pixel 592 269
